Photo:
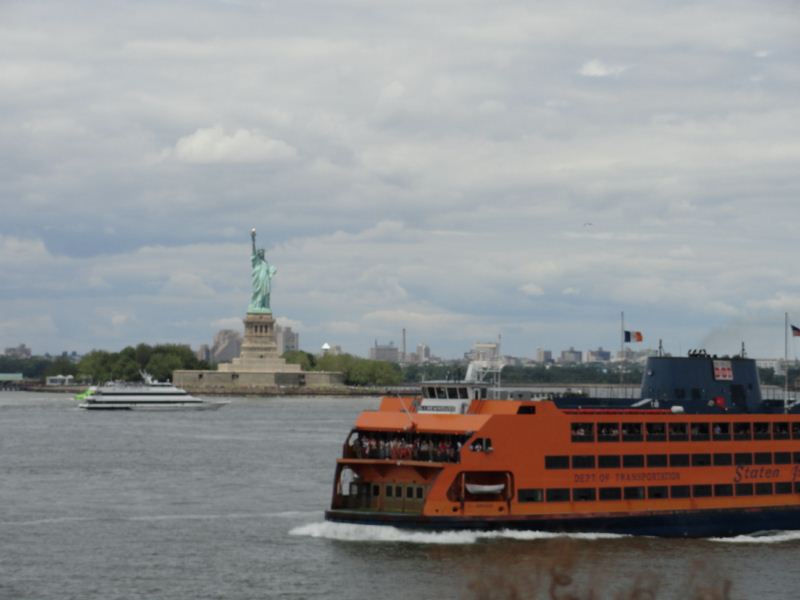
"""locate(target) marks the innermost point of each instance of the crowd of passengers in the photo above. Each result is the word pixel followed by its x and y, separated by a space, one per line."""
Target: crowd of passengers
pixel 436 448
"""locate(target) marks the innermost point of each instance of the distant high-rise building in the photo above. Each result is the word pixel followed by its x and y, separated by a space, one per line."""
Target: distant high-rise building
pixel 571 356
pixel 389 353
pixel 423 353
pixel 544 356
pixel 21 351
pixel 598 355
pixel 287 340
pixel 203 353
pixel 227 345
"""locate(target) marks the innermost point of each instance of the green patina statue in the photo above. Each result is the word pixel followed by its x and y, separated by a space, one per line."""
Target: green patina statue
pixel 261 276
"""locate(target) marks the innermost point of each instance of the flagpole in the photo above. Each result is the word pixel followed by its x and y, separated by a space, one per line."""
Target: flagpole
pixel 786 363
pixel 621 346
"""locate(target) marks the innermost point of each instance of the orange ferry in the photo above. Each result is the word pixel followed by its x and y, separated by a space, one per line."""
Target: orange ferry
pixel 700 454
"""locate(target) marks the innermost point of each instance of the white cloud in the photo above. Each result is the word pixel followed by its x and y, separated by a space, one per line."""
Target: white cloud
pixel 598 68
pixel 215 145
pixel 531 289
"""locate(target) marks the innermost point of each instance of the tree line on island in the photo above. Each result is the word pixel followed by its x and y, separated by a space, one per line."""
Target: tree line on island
pixel 99 366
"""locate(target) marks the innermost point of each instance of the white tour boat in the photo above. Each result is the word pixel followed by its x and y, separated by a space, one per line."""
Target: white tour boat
pixel 150 395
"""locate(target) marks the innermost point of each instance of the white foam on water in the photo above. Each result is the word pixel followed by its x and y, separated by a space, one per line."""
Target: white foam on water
pixel 773 537
pixel 384 533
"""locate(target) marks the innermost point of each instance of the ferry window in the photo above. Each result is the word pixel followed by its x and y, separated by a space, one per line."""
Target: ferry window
pixel 680 393
pixel 697 394
pixel 743 458
pixel 610 493
pixel 452 393
pixel 607 432
pixel 609 461
pixel 741 431
pixel 484 392
pixel 701 460
pixel 657 491
pixel 633 461
pixel 632 432
pixel 463 393
pixel 679 491
pixel 700 432
pixel 783 458
pixel 796 457
pixel 678 460
pixel 420 492
pixel 526 409
pixel 762 458
pixel 410 492
pixel 764 489
pixel 582 432
pixel 441 393
pixel 634 493
pixel 557 495
pixel 677 432
pixel 388 491
pixel 530 495
pixel 780 431
pixel 761 431
pixel 797 487
pixel 722 460
pixel 722 431
pixel 723 489
pixel 398 491
pixel 583 462
pixel 796 431
pixel 428 392
pixel 376 490
pixel 783 487
pixel 656 432
pixel 583 494
pixel 656 460
pixel 744 489
pixel 556 462
pixel 701 491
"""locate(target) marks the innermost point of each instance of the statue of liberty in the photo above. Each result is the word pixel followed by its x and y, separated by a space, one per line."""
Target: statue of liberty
pixel 261 276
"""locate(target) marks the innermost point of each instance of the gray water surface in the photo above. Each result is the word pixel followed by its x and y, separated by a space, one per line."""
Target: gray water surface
pixel 229 504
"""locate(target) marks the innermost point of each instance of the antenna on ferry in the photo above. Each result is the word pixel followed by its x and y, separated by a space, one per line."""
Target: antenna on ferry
pixel 744 352
pixel 660 348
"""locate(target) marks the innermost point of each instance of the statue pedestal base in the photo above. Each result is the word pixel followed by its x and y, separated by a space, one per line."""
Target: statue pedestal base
pixel 259 353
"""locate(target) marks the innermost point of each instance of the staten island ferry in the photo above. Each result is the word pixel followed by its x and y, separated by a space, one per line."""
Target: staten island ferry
pixel 700 453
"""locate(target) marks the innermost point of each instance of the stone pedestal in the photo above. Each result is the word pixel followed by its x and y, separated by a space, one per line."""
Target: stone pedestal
pixel 259 353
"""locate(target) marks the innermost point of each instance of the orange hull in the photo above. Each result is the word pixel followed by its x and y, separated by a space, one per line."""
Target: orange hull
pixel 519 463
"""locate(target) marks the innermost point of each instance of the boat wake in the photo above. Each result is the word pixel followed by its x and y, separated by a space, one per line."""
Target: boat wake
pixel 769 537
pixel 383 533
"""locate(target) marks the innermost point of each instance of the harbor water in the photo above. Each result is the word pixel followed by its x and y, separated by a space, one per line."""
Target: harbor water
pixel 228 504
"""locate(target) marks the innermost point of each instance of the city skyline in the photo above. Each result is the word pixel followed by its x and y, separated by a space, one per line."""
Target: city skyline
pixel 496 169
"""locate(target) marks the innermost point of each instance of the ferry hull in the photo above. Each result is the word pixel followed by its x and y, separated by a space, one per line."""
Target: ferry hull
pixel 696 523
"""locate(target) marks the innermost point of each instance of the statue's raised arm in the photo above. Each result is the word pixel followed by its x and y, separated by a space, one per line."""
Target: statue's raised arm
pixel 261 275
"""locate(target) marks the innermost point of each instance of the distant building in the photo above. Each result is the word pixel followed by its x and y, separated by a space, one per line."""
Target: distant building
pixel 544 356
pixel 227 346
pixel 423 353
pixel 55 380
pixel 21 351
pixel 203 353
pixel 287 340
pixel 598 355
pixel 571 356
pixel 389 353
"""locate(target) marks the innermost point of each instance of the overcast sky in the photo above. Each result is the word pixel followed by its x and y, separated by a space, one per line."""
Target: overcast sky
pixel 462 169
